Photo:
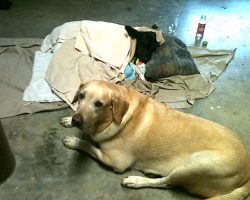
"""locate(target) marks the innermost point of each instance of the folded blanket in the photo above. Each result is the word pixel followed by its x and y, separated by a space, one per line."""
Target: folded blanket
pixel 104 41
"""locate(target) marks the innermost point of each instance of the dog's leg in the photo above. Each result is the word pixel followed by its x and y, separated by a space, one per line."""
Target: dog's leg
pixel 198 173
pixel 66 122
pixel 140 182
pixel 78 144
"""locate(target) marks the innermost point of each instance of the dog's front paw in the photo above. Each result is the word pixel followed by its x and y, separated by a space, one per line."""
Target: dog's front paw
pixel 72 142
pixel 134 181
pixel 66 122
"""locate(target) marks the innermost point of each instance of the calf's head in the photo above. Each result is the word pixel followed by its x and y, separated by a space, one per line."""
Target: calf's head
pixel 146 43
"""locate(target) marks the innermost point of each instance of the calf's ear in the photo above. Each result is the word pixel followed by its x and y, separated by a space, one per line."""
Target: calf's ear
pixel 132 32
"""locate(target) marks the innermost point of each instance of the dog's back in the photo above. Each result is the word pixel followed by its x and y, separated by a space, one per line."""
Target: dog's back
pixel 133 130
pixel 210 158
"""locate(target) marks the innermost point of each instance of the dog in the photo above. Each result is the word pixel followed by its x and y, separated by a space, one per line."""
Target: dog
pixel 135 131
pixel 146 43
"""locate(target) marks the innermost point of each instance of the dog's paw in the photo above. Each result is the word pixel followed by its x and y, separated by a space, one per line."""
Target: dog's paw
pixel 72 142
pixel 66 122
pixel 134 181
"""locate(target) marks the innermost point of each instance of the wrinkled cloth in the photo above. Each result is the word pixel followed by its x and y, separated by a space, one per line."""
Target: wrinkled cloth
pixel 16 60
pixel 176 91
pixel 211 63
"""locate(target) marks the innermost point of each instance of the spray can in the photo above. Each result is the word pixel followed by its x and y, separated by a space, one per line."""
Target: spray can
pixel 201 27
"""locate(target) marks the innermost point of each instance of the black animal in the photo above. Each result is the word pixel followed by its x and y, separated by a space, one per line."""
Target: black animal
pixel 146 43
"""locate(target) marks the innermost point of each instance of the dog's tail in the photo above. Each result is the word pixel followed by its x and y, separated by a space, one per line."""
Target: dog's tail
pixel 237 194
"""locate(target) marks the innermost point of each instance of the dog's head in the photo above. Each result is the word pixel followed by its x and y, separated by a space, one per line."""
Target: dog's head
pixel 99 104
pixel 146 43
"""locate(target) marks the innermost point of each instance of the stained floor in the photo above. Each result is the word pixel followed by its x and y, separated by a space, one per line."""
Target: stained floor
pixel 45 169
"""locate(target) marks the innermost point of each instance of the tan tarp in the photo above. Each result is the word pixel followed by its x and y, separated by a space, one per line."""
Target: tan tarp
pixel 16 59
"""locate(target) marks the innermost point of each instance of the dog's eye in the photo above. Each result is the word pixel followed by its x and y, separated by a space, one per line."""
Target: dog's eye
pixel 98 104
pixel 81 96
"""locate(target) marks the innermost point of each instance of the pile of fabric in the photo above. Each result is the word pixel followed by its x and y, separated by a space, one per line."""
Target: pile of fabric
pixel 85 50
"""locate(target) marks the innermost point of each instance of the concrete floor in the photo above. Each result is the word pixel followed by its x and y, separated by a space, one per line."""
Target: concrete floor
pixel 45 169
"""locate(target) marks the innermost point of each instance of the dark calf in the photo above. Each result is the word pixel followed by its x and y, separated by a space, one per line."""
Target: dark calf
pixel 146 43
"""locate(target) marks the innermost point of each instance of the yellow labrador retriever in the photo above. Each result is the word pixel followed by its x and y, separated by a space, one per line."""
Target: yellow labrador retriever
pixel 135 131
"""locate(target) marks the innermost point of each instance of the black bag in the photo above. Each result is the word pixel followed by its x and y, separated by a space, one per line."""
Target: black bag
pixel 172 58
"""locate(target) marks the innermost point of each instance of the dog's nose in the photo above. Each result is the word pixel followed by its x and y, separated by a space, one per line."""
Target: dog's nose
pixel 76 120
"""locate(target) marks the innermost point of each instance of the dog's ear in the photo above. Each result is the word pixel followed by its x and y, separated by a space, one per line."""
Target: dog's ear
pixel 119 107
pixel 132 32
pixel 75 99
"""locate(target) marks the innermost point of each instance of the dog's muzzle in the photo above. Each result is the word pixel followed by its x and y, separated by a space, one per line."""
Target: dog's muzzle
pixel 76 120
